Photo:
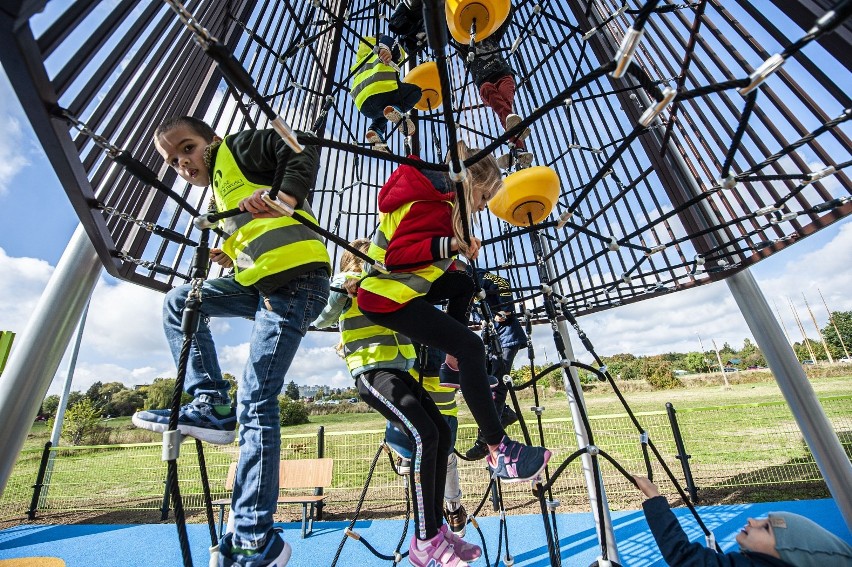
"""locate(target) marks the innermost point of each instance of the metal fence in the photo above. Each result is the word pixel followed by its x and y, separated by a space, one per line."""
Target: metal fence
pixel 731 447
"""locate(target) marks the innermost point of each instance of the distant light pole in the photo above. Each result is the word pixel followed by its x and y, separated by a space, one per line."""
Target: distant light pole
pixel 721 368
pixel 703 352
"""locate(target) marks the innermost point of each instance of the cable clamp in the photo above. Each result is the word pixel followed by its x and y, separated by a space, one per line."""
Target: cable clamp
pixel 762 73
pixel 613 244
pixel 278 206
pixel 625 277
pixel 481 294
pixel 728 182
pixel 546 289
pixel 653 111
pixel 565 363
pixel 625 52
pixel 783 218
pixel 458 176
pixel 711 540
pixel 203 222
pixel 644 437
pixel 171 445
pixel 509 561
pixel 766 210
pixel 380 267
pixel 655 249
pixel 699 260
pixel 564 218
pixel 593 450
pixel 516 44
pixel 601 562
pixel 568 102
pixel 602 368
pixel 537 409
pixel 287 134
pixel 353 534
pixel 472 520
pixel 817 175
pixel 553 504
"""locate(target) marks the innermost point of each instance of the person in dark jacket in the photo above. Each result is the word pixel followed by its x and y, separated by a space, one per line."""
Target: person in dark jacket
pixel 493 76
pixel 511 336
pixel 782 539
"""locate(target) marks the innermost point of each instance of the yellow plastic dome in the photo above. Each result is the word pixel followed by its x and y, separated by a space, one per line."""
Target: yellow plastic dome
pixel 426 77
pixel 528 192
pixel 489 15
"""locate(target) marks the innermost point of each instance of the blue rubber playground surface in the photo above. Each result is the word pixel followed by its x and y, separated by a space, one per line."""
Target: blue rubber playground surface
pixel 156 545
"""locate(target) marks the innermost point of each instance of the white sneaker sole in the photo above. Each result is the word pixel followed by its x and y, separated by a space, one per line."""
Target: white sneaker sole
pixel 201 433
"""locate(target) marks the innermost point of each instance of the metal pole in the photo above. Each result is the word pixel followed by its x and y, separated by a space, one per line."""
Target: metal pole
pixel 816 429
pixel 63 404
pixel 819 332
pixel 577 405
pixel 33 364
pixel 682 455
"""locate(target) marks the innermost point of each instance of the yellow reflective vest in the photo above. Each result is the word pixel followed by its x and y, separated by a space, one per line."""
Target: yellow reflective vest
pixel 397 286
pixel 374 76
pixel 260 247
pixel 367 346
pixel 443 396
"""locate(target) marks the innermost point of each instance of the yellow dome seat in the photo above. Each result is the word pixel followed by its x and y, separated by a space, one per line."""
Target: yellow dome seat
pixel 528 192
pixel 489 15
pixel 426 77
pixel 32 562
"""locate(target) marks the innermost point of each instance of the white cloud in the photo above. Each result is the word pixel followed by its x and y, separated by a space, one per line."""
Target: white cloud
pixel 13 157
pixel 21 280
pixel 124 339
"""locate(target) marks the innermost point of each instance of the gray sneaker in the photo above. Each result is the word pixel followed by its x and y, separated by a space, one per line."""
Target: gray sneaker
pixel 513 120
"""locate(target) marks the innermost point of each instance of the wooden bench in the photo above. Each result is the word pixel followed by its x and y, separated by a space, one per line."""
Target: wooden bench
pixel 293 474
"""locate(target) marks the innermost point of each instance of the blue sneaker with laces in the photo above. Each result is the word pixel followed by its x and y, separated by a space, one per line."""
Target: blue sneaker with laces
pixel 275 552
pixel 516 462
pixel 197 419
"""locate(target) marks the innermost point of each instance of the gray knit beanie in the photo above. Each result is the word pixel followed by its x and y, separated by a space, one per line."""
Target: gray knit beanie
pixel 803 543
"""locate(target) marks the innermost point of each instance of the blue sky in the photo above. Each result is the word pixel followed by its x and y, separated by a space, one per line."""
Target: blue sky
pixel 124 341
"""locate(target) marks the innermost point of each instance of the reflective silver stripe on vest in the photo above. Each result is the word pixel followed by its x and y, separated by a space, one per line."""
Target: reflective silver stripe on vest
pixel 380 76
pixel 409 279
pixel 443 399
pixel 277 238
pixel 355 322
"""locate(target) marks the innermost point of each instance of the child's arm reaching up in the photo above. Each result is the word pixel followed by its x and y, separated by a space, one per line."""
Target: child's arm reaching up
pixel 670 537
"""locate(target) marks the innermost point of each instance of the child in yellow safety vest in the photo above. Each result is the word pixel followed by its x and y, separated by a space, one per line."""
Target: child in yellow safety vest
pixel 380 360
pixel 378 93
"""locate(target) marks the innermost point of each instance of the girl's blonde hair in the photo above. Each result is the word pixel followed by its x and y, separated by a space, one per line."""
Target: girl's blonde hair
pixel 349 262
pixel 483 175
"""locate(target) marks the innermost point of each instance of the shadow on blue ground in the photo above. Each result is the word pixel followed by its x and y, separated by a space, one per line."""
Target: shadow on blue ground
pixel 156 545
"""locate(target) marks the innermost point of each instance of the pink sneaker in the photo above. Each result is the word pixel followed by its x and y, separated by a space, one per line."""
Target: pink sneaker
pixel 516 462
pixel 435 552
pixel 466 551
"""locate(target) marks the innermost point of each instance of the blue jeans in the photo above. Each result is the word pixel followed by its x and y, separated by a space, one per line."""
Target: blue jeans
pixel 278 330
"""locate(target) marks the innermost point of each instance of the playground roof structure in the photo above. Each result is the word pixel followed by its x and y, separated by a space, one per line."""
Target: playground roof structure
pixel 749 156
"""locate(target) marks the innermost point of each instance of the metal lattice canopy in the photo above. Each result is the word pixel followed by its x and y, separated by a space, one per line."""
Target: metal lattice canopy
pixel 722 177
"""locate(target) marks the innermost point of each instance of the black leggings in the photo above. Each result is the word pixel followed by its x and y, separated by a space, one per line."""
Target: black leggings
pixel 400 399
pixel 421 322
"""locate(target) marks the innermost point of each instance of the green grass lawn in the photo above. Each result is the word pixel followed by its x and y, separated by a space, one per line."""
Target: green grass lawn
pixel 733 445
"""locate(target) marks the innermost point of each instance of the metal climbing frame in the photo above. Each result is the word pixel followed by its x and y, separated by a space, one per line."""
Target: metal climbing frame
pixel 726 140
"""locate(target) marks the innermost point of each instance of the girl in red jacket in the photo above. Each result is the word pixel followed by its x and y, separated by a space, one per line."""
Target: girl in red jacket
pixel 418 238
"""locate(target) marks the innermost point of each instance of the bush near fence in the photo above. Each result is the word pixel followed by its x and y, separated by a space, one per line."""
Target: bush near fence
pixel 735 451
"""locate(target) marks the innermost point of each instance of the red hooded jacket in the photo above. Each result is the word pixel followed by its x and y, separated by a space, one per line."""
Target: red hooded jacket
pixel 424 233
